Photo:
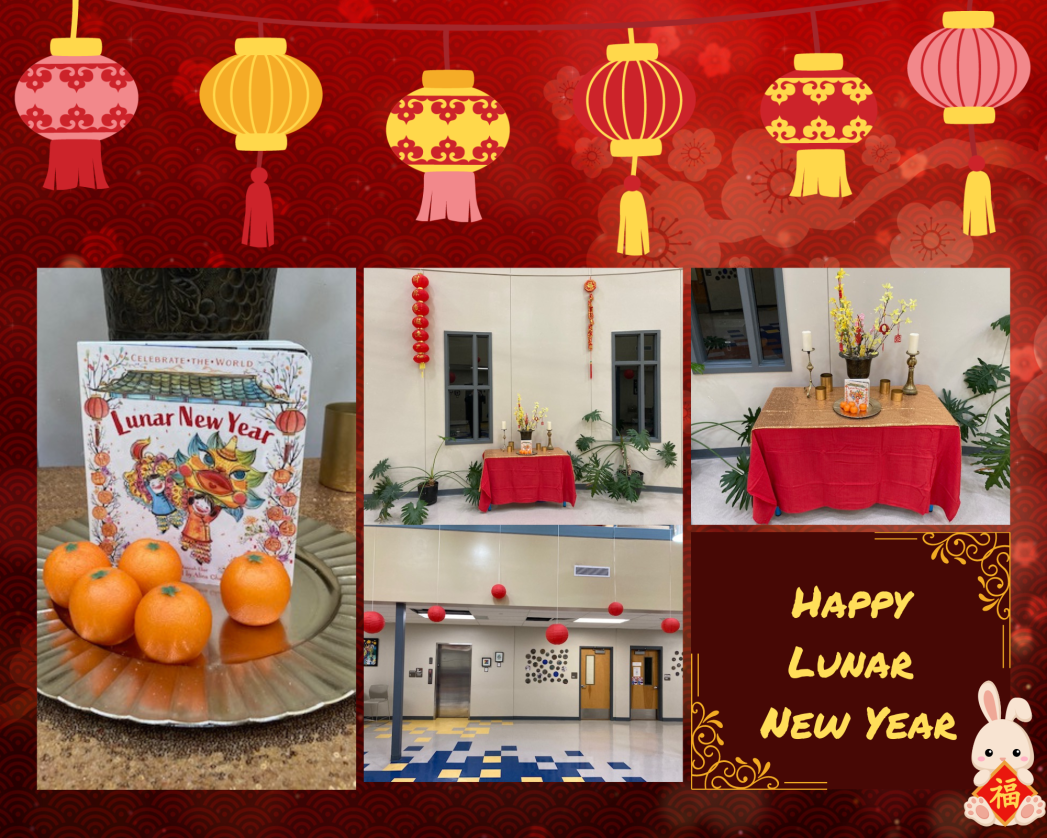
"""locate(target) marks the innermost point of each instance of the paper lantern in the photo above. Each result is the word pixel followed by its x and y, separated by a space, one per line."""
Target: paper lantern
pixel 373 622
pixel 615 608
pixel 76 98
pixel 969 69
pixel 261 95
pixel 556 634
pixel 435 614
pixel 670 625
pixel 633 101
pixel 819 110
pixel 96 407
pixel 498 591
pixel 419 321
pixel 448 130
pixel 290 421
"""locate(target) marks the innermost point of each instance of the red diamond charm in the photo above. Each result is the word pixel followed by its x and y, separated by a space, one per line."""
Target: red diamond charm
pixel 1004 793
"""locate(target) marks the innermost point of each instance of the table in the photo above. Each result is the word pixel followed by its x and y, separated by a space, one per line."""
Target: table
pixel 526 478
pixel 805 456
pixel 77 750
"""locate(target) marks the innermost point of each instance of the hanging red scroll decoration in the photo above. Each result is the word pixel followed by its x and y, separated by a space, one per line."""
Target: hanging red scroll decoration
pixel 420 322
pixel 590 286
pixel 633 101
pixel 970 69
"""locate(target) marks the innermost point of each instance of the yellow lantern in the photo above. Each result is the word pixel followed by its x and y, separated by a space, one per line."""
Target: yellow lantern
pixel 448 130
pixel 261 95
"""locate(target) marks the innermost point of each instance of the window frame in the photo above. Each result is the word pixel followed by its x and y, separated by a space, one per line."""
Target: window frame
pixel 475 387
pixel 756 362
pixel 641 385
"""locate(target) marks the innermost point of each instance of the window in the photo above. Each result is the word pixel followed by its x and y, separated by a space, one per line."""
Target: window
pixel 468 379
pixel 738 320
pixel 637 396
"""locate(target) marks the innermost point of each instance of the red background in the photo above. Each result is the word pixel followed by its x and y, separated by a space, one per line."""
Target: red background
pixel 342 199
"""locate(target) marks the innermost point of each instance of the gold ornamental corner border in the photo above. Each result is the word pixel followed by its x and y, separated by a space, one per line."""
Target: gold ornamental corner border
pixel 989 552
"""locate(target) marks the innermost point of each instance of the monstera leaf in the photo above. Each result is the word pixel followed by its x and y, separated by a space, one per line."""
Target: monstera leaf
pixel 667 454
pixel 985 378
pixel 746 432
pixel 1003 324
pixel 994 458
pixel 965 417
pixel 385 494
pixel 414 514
pixel 735 484
pixel 472 491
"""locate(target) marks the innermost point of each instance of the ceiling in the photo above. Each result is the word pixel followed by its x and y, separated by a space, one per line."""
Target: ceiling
pixel 493 615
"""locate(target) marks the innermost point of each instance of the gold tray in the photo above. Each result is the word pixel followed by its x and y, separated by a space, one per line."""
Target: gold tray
pixel 874 408
pixel 299 664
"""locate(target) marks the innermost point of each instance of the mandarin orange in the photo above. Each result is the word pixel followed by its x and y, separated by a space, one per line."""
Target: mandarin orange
pixel 151 563
pixel 67 563
pixel 173 623
pixel 102 606
pixel 255 589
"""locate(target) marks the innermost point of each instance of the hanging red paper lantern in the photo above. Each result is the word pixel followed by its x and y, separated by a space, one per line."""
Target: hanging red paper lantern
pixel 970 69
pixel 290 422
pixel 670 625
pixel 420 308
pixel 615 608
pixel 421 347
pixel 498 591
pixel 435 614
pixel 633 101
pixel 420 294
pixel 819 110
pixel 419 321
pixel 420 334
pixel 373 622
pixel 556 634
pixel 97 408
pixel 629 374
pixel 421 359
pixel 420 281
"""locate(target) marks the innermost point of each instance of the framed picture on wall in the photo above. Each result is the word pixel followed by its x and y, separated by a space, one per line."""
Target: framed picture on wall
pixel 485 663
pixel 499 657
pixel 370 651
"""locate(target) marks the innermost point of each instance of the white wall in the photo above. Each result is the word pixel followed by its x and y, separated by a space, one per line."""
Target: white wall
pixel 954 309
pixel 538 323
pixel 315 307
pixel 502 691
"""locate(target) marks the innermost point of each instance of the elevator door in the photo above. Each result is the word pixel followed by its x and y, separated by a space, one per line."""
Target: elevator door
pixel 645 673
pixel 454 667
pixel 595 700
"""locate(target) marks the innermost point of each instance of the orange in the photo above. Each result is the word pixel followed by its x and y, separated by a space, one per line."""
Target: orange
pixel 151 563
pixel 255 589
pixel 67 563
pixel 102 606
pixel 173 623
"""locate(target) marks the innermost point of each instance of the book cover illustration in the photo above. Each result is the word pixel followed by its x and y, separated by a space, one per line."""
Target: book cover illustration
pixel 199 445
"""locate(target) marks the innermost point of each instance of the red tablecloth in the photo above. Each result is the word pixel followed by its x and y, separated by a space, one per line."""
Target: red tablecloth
pixel 526 479
pixel 799 469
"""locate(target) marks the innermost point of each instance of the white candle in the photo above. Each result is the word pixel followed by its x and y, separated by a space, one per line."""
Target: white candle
pixel 808 345
pixel 503 424
pixel 914 341
pixel 549 425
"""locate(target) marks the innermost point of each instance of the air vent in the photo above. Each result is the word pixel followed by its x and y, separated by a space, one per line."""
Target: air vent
pixel 537 619
pixel 591 570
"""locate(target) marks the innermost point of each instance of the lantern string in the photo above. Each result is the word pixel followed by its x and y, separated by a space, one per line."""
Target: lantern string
pixel 374 559
pixel 447 49
pixel 974 144
pixel 76 18
pixel 614 559
pixel 814 30
pixel 499 553
pixel 632 40
pixel 557 573
pixel 439 536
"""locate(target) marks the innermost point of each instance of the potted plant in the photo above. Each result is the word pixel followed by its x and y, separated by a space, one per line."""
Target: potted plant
pixel 608 469
pixel 426 481
pixel 735 481
pixel 860 343
pixel 526 423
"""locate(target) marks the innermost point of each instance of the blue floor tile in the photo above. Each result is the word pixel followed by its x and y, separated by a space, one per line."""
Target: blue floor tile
pixel 463 746
pixel 574 753
pixel 508 747
pixel 633 779
pixel 543 759
pixel 413 748
pixel 619 766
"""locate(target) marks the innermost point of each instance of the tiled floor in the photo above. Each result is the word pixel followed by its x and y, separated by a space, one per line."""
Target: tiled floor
pixel 472 751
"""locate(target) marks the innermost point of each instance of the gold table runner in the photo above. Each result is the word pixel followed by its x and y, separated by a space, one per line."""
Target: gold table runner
pixel 501 452
pixel 788 407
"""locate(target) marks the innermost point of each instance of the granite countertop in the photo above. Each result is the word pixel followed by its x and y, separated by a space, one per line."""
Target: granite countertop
pixel 77 750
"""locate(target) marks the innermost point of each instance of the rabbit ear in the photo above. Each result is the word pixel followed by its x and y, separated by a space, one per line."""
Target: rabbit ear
pixel 1018 708
pixel 989 699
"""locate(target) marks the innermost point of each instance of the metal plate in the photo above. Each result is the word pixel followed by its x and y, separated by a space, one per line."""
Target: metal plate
pixel 297 665
pixel 874 408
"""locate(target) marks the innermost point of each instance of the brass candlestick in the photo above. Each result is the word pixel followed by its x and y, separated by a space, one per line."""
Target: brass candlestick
pixel 910 388
pixel 504 446
pixel 810 374
pixel 549 439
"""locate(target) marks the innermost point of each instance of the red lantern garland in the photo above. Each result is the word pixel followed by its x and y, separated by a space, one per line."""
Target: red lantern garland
pixel 615 609
pixel 373 622
pixel 590 286
pixel 556 634
pixel 435 614
pixel 420 309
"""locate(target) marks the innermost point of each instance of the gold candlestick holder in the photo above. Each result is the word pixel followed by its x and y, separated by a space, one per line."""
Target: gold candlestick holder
pixel 549 440
pixel 910 387
pixel 504 445
pixel 810 374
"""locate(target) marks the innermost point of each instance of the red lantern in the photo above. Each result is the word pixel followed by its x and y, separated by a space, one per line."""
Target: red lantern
pixel 96 407
pixel 420 334
pixel 373 622
pixel 420 322
pixel 633 101
pixel 556 634
pixel 670 625
pixel 970 69
pixel 420 294
pixel 451 376
pixel 420 308
pixel 435 614
pixel 629 374
pixel 420 281
pixel 820 110
pixel 421 359
pixel 290 422
pixel 421 347
pixel 498 591
pixel 615 608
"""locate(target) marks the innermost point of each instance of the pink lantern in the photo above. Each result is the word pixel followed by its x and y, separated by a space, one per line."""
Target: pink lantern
pixel 969 69
pixel 76 98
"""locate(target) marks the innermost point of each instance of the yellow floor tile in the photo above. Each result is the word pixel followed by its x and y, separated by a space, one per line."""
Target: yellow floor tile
pixel 492 759
pixel 574 779
pixel 424 739
pixel 507 723
pixel 531 780
pixel 491 772
pixel 482 730
pixel 450 773
pixel 468 780
pixel 403 779
pixel 396 766
pixel 384 736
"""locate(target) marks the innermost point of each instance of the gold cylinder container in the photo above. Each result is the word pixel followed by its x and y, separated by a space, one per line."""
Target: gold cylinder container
pixel 338 454
pixel 896 394
pixel 827 381
pixel 885 386
pixel 820 393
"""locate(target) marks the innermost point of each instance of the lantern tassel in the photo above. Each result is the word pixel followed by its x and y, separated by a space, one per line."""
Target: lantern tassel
pixel 450 195
pixel 821 171
pixel 258 217
pixel 73 163
pixel 634 237
pixel 977 205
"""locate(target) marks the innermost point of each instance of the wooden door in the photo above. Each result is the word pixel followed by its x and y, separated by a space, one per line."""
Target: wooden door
pixel 595 684
pixel 645 674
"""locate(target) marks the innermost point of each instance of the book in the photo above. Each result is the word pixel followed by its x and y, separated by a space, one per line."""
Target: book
pixel 196 444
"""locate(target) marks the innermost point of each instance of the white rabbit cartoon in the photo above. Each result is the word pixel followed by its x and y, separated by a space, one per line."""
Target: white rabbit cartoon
pixel 1002 739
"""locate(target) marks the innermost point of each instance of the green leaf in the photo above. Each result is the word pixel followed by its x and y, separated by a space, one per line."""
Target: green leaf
pixel 735 484
pixel 746 432
pixel 593 417
pixel 598 475
pixel 716 342
pixel 697 369
pixel 1003 324
pixel 986 378
pixel 667 454
pixel 414 514
pixel 576 463
pixel 640 440
pixel 965 417
pixel 385 494
pixel 995 455
pixel 380 469
pixel 472 491
pixel 584 443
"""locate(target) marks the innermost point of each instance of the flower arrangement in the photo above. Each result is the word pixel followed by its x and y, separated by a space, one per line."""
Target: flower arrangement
pixel 528 422
pixel 857 339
